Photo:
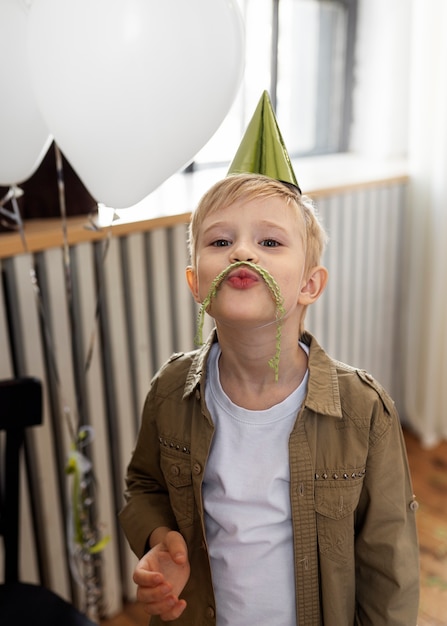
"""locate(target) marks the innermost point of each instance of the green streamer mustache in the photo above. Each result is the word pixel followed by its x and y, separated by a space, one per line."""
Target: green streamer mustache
pixel 276 295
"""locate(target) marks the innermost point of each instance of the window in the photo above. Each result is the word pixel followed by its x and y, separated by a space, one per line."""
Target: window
pixel 302 52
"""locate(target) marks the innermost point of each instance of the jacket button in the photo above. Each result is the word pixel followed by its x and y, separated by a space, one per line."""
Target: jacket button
pixel 175 470
pixel 414 505
pixel 197 468
pixel 210 612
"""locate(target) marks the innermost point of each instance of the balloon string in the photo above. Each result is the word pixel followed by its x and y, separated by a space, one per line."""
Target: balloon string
pixel 92 340
pixel 67 263
pixel 63 210
pixel 67 270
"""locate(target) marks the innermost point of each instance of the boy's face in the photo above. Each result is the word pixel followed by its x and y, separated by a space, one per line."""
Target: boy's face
pixel 264 231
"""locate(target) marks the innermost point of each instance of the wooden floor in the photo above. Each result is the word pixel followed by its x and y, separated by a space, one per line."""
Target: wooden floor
pixel 429 473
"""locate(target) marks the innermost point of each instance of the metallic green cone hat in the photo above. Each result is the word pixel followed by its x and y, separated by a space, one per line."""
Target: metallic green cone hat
pixel 262 149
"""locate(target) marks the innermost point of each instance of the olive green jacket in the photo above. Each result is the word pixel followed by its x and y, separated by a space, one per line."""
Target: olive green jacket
pixel 353 509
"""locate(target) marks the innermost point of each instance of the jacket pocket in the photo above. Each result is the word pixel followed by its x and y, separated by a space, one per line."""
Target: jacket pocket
pixel 176 469
pixel 335 504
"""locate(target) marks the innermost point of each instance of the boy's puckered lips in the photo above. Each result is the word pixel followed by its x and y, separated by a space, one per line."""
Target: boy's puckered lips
pixel 242 278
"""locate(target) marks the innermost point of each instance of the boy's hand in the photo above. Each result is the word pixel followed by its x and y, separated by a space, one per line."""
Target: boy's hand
pixel 161 576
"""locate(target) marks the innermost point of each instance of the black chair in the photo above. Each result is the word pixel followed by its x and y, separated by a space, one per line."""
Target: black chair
pixel 23 604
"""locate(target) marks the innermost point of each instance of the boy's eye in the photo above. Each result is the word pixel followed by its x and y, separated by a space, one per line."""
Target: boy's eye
pixel 220 243
pixel 269 243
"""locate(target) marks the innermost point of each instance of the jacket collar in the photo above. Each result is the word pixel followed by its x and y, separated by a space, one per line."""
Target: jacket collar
pixel 323 395
pixel 196 374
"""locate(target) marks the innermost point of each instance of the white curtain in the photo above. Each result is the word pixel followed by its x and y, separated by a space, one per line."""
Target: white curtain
pixel 424 306
pixel 400 109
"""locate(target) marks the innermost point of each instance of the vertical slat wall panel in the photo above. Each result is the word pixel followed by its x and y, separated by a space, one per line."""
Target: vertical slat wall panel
pixel 160 305
pixel 87 293
pixel 357 300
pixel 6 365
pixel 183 302
pixel 355 319
pixel 61 392
pixel 372 300
pixel 145 313
pixel 390 281
pixel 119 390
pixel 52 282
pixel 317 321
pixel 139 320
pixel 41 439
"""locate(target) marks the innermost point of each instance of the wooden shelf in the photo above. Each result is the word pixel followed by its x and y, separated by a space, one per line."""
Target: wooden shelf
pixel 42 234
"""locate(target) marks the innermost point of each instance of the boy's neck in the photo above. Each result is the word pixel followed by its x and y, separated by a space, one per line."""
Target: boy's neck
pixel 249 380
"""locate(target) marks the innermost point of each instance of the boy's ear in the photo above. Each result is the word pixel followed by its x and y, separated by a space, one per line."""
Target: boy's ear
pixel 193 284
pixel 314 286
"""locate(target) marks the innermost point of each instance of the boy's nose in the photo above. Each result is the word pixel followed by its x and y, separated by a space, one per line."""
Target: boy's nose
pixel 243 252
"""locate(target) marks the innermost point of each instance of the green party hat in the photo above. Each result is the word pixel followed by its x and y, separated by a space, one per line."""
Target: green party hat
pixel 262 149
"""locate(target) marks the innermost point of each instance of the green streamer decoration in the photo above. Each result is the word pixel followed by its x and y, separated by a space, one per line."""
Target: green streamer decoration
pixel 276 295
pixel 84 537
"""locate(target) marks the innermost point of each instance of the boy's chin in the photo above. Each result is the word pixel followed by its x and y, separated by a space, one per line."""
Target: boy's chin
pixel 245 322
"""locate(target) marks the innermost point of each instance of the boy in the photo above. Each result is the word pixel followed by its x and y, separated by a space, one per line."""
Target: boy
pixel 269 483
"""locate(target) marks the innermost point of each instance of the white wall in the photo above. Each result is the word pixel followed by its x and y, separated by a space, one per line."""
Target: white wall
pixel 381 79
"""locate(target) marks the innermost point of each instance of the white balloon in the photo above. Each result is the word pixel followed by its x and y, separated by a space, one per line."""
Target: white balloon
pixel 24 136
pixel 132 89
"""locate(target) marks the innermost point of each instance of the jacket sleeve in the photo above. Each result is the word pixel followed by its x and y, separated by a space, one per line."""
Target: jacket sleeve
pixel 147 502
pixel 387 553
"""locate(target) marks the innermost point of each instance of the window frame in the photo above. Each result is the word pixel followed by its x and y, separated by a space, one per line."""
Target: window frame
pixel 321 147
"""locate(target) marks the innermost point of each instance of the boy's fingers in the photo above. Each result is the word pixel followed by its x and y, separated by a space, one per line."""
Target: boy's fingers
pixel 168 609
pixel 174 612
pixel 159 594
pixel 145 578
pixel 176 547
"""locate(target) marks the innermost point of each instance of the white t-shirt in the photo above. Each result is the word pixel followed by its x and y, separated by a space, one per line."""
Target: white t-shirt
pixel 247 507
